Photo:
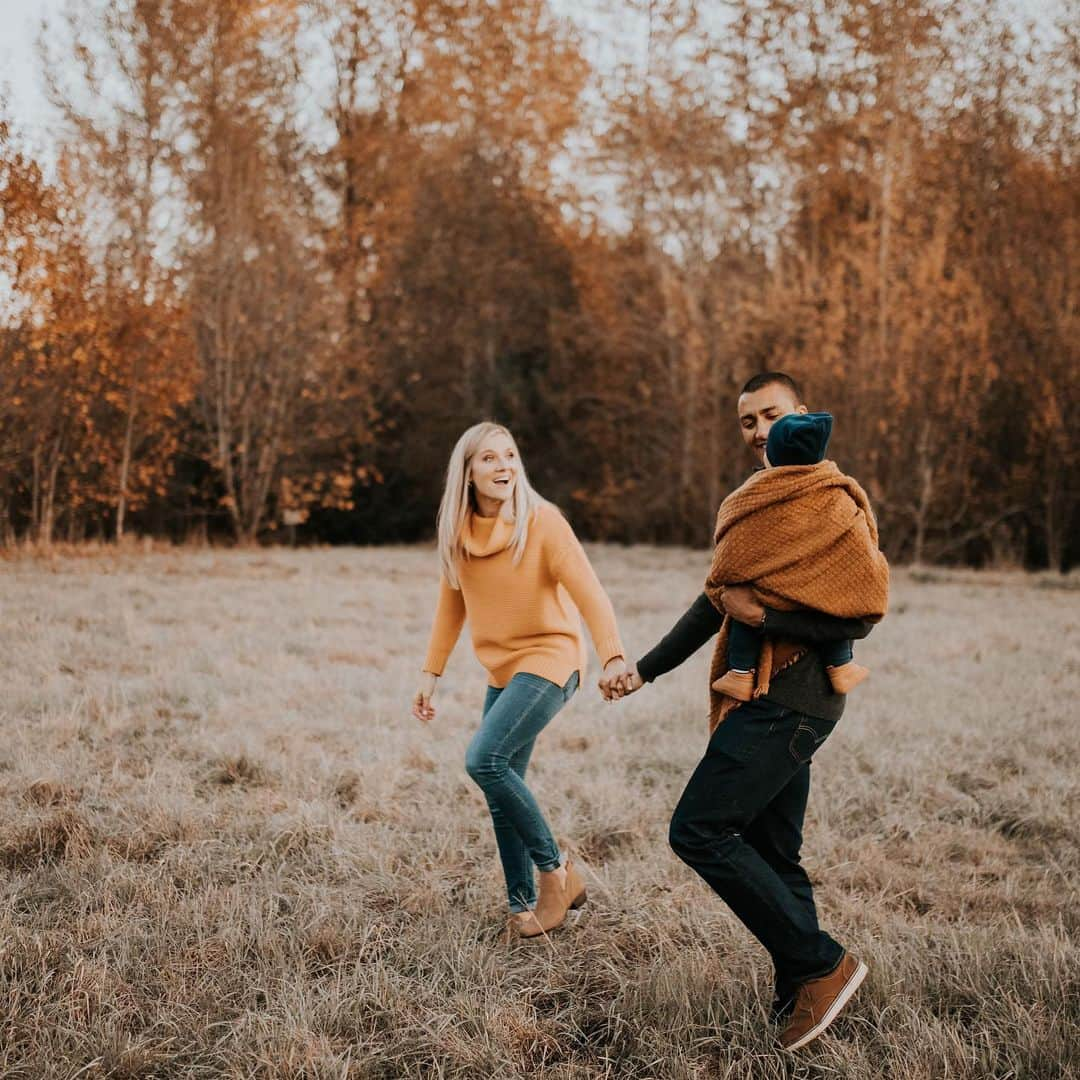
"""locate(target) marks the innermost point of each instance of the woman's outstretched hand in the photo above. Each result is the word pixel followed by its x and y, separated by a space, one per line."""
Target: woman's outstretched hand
pixel 422 708
pixel 614 670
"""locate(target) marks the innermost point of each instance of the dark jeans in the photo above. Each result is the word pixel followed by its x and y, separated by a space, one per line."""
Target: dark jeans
pixel 497 758
pixel 739 825
pixel 744 645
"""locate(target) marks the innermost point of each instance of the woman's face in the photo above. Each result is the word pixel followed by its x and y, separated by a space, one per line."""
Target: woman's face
pixel 495 468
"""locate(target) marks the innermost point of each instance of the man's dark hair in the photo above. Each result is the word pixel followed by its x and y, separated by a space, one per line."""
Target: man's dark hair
pixel 767 378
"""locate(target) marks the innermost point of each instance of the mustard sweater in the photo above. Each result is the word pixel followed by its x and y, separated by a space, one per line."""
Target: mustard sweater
pixel 524 617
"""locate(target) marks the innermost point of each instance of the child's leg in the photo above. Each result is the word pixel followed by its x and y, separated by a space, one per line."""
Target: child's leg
pixel 836 653
pixel 844 674
pixel 744 645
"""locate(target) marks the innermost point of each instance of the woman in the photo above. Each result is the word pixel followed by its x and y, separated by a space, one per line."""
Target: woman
pixel 511 563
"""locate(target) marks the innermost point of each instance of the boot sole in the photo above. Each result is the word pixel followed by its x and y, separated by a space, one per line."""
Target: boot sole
pixel 841 999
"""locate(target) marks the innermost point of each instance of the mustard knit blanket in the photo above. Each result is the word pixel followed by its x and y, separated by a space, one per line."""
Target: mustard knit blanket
pixel 805 537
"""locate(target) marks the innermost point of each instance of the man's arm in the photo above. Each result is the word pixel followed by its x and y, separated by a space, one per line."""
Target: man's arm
pixel 810 627
pixel 813 627
pixel 695 626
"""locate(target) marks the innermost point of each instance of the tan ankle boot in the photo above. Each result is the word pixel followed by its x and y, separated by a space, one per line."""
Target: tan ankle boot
pixel 556 898
pixel 845 677
pixel 736 684
pixel 575 887
pixel 517 921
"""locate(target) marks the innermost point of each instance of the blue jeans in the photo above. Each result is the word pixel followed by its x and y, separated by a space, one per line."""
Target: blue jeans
pixel 497 759
pixel 744 645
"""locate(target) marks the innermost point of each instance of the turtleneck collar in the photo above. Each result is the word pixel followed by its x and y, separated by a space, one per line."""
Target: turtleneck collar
pixel 486 535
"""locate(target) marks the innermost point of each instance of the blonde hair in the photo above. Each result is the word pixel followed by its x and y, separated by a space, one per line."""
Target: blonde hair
pixel 458 499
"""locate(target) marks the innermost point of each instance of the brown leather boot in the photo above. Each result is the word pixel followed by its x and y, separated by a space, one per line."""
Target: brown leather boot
pixel 554 901
pixel 845 677
pixel 575 886
pixel 514 925
pixel 819 1001
pixel 736 684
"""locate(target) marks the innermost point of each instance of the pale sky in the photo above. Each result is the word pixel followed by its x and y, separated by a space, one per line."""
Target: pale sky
pixel 20 79
pixel 19 21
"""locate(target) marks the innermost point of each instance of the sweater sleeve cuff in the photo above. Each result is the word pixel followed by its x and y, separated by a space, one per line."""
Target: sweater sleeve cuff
pixel 608 649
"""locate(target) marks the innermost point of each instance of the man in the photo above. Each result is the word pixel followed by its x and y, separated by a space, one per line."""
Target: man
pixel 739 821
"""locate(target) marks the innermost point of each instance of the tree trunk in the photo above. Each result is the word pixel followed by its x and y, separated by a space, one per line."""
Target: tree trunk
pixel 125 458
pixel 883 254
pixel 1053 519
pixel 35 490
pixel 925 470
pixel 690 393
pixel 48 500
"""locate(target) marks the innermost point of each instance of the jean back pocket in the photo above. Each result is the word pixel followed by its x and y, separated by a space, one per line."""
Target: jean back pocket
pixel 810 733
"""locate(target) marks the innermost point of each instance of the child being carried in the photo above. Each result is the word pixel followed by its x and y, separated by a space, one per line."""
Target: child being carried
pixel 822 550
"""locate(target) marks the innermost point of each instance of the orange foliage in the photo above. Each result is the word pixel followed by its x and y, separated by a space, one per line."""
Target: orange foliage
pixel 251 295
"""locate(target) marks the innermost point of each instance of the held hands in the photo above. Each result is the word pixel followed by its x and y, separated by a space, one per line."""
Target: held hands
pixel 422 708
pixel 614 670
pixel 619 680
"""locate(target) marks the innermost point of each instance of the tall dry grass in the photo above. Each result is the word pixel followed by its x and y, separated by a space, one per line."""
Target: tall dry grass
pixel 227 850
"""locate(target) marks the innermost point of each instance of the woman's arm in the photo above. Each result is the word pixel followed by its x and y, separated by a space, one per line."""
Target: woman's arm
pixel 570 566
pixel 449 617
pixel 446 628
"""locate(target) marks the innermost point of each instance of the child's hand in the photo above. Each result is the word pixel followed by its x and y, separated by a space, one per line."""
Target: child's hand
pixel 741 604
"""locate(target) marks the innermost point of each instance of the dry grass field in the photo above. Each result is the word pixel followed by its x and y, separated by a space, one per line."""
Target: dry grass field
pixel 227 850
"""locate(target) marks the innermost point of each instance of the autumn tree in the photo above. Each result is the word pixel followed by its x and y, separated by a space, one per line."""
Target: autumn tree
pixel 56 349
pixel 118 103
pixel 251 258
pixel 293 247
pixel 448 117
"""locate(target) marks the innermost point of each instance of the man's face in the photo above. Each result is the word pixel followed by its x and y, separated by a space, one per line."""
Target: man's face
pixel 758 411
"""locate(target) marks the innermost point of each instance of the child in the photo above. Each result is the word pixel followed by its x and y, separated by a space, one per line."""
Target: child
pixel 795 439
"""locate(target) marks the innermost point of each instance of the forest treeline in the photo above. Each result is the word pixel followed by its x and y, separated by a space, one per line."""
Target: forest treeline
pixel 288 249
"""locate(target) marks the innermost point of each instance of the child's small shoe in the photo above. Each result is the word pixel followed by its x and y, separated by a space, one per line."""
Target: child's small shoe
pixel 845 677
pixel 736 684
